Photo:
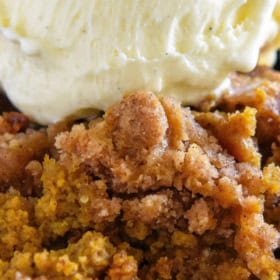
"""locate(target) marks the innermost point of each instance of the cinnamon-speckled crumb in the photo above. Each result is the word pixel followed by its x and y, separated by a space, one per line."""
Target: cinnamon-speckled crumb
pixel 150 190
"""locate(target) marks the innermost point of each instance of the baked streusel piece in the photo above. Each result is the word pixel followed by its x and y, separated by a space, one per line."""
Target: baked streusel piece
pixel 148 190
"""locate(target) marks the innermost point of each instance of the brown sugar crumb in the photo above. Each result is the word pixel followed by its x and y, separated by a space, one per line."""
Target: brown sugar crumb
pixel 123 267
pixel 234 132
pixel 150 190
pixel 232 271
pixel 16 151
pixel 256 240
pixel 200 217
pixel 13 122
pixel 129 127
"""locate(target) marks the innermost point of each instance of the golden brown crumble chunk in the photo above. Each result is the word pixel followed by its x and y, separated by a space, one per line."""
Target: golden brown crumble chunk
pixel 151 190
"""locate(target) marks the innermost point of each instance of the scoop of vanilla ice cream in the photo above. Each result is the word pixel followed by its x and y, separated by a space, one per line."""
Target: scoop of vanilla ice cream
pixel 268 53
pixel 58 57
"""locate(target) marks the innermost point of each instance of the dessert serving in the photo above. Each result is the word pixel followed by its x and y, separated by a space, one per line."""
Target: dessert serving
pixel 81 55
pixel 144 141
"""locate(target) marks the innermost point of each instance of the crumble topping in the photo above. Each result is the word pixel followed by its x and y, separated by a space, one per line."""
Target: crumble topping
pixel 150 190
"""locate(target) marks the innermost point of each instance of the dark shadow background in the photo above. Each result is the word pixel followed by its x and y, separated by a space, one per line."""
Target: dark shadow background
pixel 277 65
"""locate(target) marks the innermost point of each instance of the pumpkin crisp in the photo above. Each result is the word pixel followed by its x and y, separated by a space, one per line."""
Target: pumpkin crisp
pixel 149 190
